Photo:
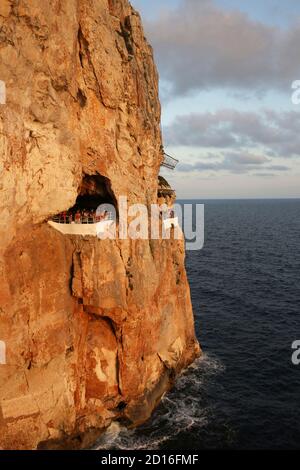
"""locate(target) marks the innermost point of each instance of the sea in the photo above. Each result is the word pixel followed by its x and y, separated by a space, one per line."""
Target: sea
pixel 244 392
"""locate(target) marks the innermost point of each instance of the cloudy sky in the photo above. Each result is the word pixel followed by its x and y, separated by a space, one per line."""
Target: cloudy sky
pixel 226 72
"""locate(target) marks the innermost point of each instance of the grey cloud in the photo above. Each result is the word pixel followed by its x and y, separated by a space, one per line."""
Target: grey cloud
pixel 278 168
pixel 244 159
pixel 265 175
pixel 200 46
pixel 232 162
pixel 277 133
pixel 198 166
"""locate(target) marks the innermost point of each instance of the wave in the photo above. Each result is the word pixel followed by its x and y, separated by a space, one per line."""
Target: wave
pixel 180 411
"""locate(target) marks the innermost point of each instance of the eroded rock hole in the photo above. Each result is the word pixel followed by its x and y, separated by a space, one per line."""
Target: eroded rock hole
pixel 95 200
pixel 93 191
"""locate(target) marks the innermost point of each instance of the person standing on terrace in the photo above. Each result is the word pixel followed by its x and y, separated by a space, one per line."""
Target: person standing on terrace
pixel 78 217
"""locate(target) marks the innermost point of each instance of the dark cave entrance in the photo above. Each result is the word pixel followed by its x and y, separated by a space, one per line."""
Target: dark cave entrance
pixel 94 191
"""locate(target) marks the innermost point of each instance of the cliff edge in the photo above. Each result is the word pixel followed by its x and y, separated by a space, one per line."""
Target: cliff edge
pixel 91 330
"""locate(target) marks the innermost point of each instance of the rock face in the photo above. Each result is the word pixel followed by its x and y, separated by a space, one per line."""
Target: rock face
pixel 91 330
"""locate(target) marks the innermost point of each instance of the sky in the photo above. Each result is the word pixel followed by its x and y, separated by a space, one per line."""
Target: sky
pixel 226 72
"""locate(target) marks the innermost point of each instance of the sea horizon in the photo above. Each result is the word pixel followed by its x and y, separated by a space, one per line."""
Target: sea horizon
pixel 240 199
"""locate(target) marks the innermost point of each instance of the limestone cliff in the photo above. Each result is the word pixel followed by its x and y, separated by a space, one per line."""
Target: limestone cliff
pixel 94 330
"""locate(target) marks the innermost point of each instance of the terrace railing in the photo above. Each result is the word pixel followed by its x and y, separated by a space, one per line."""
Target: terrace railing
pixel 169 162
pixel 165 192
pixel 60 219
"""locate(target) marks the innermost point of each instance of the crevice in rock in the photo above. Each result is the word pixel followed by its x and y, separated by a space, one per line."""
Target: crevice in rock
pixel 126 33
pixel 83 46
pixel 81 98
pixel 122 405
pixel 177 270
pixel 88 68
pixel 130 279
pixel 72 273
pixel 76 284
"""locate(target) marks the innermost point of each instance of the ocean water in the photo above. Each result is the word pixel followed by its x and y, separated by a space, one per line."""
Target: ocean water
pixel 244 393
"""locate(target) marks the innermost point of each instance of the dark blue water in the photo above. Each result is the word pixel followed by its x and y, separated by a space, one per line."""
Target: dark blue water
pixel 244 392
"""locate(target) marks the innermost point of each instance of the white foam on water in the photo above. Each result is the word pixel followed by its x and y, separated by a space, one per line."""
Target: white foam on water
pixel 179 411
pixel 109 437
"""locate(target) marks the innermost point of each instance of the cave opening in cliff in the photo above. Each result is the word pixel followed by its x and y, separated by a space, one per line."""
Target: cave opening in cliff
pixel 94 202
pixel 93 191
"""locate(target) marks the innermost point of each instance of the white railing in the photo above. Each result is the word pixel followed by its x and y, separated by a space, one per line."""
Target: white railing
pixel 169 162
pixel 82 219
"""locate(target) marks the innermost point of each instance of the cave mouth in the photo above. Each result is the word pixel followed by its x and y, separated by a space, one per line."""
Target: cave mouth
pixel 94 191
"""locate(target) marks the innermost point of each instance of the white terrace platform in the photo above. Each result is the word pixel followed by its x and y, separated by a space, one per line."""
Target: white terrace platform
pixel 83 229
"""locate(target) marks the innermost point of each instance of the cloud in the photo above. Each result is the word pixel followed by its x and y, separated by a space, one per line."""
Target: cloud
pixel 245 159
pixel 276 132
pixel 265 175
pixel 200 46
pixel 198 166
pixel 278 168
pixel 234 162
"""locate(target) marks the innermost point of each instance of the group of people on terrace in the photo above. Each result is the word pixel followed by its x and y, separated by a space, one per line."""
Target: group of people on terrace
pixel 92 216
pixel 81 216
